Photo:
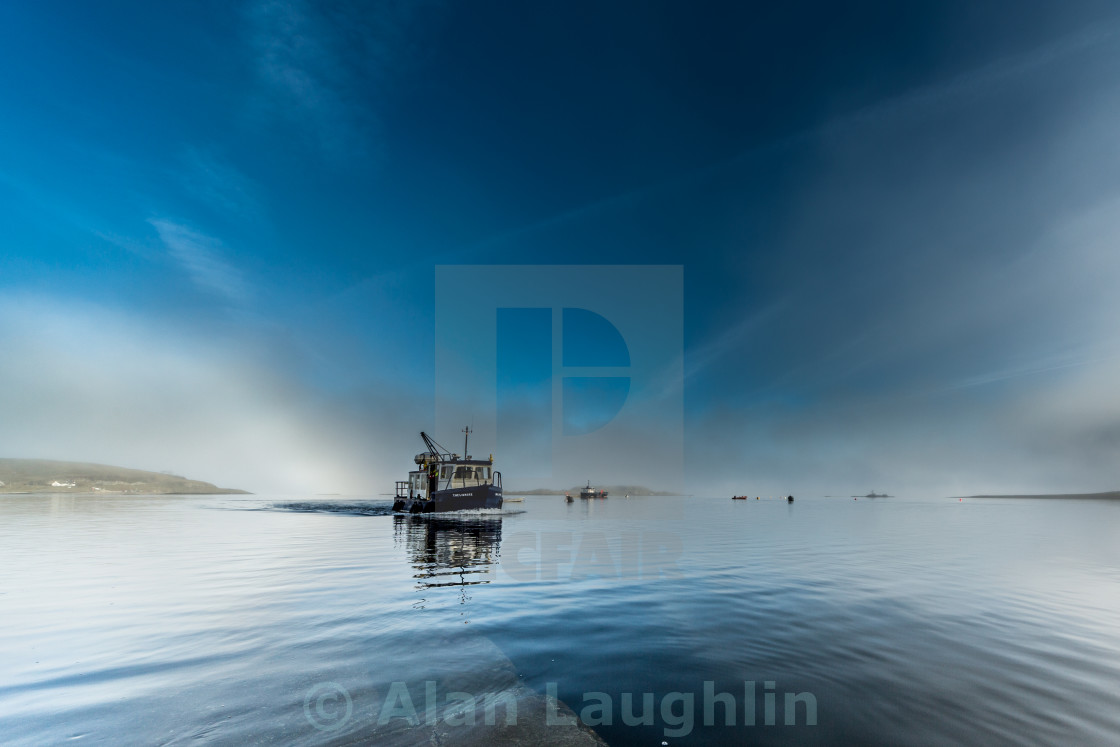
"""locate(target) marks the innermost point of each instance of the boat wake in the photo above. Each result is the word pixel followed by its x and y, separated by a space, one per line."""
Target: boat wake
pixel 364 508
pixel 381 508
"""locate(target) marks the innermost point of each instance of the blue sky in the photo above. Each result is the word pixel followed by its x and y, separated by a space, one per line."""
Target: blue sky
pixel 897 222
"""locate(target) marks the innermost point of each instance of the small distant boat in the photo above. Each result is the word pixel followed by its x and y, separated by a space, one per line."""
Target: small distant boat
pixel 738 497
pixel 789 499
pixel 590 492
pixel 568 497
pixel 873 494
pixel 514 500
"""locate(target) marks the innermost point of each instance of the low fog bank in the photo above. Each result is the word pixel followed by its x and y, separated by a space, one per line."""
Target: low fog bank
pixel 83 383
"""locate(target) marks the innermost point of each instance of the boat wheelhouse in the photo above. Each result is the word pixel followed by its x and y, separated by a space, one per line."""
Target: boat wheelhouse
pixel 449 482
pixel 590 492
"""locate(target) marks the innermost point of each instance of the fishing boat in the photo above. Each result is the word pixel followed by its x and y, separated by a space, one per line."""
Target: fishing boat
pixel 590 492
pixel 738 497
pixel 448 482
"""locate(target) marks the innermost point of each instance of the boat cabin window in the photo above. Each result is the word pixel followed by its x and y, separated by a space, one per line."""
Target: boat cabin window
pixel 467 475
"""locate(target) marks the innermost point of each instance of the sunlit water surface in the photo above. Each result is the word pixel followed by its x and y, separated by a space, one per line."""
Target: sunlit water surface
pixel 141 620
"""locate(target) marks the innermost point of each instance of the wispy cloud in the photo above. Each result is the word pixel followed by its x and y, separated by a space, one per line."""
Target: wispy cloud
pixel 1045 365
pixel 975 82
pixel 201 257
pixel 330 70
pixel 216 183
pixel 911 103
pixel 734 338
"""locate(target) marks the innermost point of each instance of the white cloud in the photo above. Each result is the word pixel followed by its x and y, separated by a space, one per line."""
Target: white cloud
pixel 201 257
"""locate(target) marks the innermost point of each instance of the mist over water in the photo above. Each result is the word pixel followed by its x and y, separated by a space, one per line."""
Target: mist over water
pixel 910 620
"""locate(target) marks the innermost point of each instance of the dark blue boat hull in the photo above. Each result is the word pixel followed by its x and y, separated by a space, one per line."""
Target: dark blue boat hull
pixel 455 499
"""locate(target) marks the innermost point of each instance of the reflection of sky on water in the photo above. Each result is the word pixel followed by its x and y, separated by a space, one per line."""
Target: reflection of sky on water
pixel 910 620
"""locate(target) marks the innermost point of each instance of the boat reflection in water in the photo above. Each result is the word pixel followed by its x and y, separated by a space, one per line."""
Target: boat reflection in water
pixel 450 551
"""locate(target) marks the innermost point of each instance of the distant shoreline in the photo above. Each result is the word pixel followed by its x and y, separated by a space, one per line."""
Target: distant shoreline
pixel 52 477
pixel 109 493
pixel 1108 496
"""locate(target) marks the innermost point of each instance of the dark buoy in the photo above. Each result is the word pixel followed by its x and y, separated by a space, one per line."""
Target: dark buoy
pixel 789 498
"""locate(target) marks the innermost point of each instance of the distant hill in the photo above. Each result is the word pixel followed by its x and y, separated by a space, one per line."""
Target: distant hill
pixel 611 490
pixel 48 476
pixel 1109 496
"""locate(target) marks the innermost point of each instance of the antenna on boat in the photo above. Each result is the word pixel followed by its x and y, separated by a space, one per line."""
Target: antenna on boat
pixel 466 438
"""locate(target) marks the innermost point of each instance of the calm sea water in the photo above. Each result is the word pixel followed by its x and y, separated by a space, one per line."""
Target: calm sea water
pixel 253 619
